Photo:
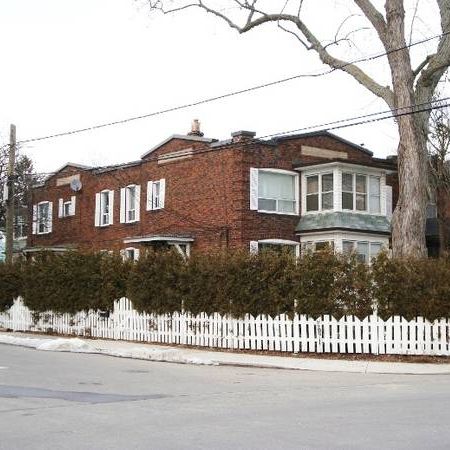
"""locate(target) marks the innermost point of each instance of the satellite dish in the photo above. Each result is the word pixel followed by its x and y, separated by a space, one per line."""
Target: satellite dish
pixel 76 185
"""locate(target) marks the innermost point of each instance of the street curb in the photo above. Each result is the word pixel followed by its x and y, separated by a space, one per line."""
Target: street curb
pixel 174 354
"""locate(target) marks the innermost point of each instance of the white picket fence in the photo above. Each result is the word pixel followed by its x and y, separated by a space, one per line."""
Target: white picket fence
pixel 282 333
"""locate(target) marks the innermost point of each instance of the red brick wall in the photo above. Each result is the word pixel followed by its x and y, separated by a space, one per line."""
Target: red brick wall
pixel 207 196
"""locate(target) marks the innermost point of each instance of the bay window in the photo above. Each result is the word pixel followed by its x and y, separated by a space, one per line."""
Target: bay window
pixel 319 192
pixel 361 193
pixel 365 251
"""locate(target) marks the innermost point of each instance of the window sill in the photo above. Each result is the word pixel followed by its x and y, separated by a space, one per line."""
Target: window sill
pixel 130 222
pixel 43 233
pixel 327 211
pixel 278 213
pixel 155 209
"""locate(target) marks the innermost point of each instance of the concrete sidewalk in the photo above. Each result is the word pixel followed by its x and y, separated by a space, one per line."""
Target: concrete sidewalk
pixel 184 355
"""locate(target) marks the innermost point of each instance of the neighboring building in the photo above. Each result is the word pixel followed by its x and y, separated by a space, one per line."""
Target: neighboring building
pixel 200 194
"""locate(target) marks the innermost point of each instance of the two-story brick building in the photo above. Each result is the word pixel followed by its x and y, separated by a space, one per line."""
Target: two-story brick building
pixel 200 194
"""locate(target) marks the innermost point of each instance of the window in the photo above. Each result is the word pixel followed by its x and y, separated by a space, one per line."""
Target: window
pixel 317 246
pixel 277 248
pixel 365 251
pixel 20 227
pixel 275 245
pixel 347 191
pixel 130 203
pixel 66 208
pixel 104 208
pixel 276 192
pixel 322 184
pixel 44 217
pixel 130 254
pixel 374 195
pixel 156 194
pixel 312 193
pixel 361 193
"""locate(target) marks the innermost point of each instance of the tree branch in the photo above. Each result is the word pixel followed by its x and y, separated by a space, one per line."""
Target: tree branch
pixel 439 62
pixel 375 18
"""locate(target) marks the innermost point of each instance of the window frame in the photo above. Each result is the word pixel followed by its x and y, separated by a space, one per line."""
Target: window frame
pixel 39 219
pixel 367 194
pixel 369 243
pixel 156 194
pixel 128 207
pixel 319 192
pixel 255 245
pixel 295 180
pixel 102 213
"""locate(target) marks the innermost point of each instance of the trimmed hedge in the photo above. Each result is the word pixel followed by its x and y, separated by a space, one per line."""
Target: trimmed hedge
pixel 232 283
pixel 412 287
pixel 73 282
pixel 10 284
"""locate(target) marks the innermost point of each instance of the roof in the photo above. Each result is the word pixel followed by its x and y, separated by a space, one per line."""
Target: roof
pixel 103 169
pixel 178 136
pixel 326 134
pixel 375 163
pixel 69 164
pixel 343 221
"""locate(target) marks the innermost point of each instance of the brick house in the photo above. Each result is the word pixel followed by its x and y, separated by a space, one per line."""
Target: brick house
pixel 201 194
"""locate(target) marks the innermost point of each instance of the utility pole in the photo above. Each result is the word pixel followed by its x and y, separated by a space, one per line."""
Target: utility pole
pixel 10 200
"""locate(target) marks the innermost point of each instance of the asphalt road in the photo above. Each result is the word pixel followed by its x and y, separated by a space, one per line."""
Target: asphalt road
pixel 74 401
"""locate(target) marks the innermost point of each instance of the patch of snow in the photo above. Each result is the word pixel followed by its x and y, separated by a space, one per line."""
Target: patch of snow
pixel 67 345
pixel 77 345
pixel 156 354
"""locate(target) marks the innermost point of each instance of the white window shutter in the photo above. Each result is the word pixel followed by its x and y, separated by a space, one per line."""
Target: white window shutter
pixel 73 202
pixel 34 220
pixel 123 254
pixel 111 207
pixel 162 192
pixel 150 196
pixel 136 254
pixel 253 247
pixel 388 191
pixel 253 189
pixel 50 217
pixel 123 213
pixel 60 208
pixel 138 202
pixel 97 209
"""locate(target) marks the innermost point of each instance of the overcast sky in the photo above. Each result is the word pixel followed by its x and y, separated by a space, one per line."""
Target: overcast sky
pixel 69 64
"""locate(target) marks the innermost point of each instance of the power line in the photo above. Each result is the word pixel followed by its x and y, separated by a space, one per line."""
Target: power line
pixel 230 94
pixel 338 124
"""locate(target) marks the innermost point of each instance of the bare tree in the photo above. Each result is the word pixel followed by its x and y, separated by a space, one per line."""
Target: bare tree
pixel 409 86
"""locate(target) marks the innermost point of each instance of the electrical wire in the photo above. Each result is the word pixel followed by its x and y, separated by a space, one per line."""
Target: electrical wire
pixel 229 94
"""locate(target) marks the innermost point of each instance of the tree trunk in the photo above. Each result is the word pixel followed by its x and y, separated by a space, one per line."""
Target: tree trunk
pixel 409 219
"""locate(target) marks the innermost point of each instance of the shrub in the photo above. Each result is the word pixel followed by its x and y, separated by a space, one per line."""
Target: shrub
pixel 71 282
pixel 155 282
pixel 10 284
pixel 335 284
pixel 412 287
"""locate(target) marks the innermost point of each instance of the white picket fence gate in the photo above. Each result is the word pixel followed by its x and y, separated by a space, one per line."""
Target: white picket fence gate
pixel 282 333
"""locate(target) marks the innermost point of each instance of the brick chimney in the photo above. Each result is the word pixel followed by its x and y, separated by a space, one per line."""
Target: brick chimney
pixel 242 135
pixel 195 129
